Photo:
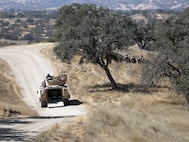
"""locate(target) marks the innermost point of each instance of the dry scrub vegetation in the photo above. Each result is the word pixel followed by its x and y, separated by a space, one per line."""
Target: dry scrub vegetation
pixel 11 103
pixel 129 114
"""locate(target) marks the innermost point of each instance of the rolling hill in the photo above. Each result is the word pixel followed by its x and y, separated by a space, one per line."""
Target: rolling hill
pixel 113 4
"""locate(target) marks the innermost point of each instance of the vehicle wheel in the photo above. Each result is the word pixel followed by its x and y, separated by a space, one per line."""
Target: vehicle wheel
pixel 43 104
pixel 66 101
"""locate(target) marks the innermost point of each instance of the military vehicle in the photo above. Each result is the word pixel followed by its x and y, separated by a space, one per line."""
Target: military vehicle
pixel 53 91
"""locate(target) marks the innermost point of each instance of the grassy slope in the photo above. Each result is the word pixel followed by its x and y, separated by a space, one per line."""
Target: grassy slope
pixel 10 96
pixel 128 114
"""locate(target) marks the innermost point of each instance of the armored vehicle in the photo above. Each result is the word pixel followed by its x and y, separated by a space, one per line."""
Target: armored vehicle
pixel 53 91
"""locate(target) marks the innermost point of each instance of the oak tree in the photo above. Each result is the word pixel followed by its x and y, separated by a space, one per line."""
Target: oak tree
pixel 95 32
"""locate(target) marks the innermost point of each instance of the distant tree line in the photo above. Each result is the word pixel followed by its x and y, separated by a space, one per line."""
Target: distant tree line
pixel 32 26
pixel 12 13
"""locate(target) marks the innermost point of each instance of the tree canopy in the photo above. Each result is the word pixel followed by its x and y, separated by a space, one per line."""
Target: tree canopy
pixel 172 42
pixel 94 32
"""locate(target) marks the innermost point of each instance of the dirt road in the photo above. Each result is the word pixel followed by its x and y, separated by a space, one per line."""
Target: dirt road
pixel 30 68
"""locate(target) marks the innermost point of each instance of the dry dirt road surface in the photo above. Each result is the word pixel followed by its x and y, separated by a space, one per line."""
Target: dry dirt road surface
pixel 30 67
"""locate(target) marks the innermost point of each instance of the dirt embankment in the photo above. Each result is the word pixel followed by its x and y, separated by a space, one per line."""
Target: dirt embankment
pixel 11 103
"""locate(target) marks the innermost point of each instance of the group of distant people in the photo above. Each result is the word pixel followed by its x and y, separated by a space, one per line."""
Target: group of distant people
pixel 134 59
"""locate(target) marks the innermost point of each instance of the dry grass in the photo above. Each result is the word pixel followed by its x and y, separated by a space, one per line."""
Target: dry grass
pixel 72 132
pixel 129 114
pixel 114 123
pixel 10 97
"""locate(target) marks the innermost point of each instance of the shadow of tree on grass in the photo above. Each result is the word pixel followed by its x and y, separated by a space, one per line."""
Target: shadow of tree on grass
pixel 125 88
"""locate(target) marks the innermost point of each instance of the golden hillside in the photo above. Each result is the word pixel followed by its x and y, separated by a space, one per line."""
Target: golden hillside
pixel 129 114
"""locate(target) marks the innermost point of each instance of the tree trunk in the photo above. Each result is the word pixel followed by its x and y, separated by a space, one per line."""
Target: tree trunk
pixel 113 83
pixel 187 99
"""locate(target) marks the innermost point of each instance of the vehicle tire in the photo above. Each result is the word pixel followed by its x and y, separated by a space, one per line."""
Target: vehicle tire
pixel 43 104
pixel 66 101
